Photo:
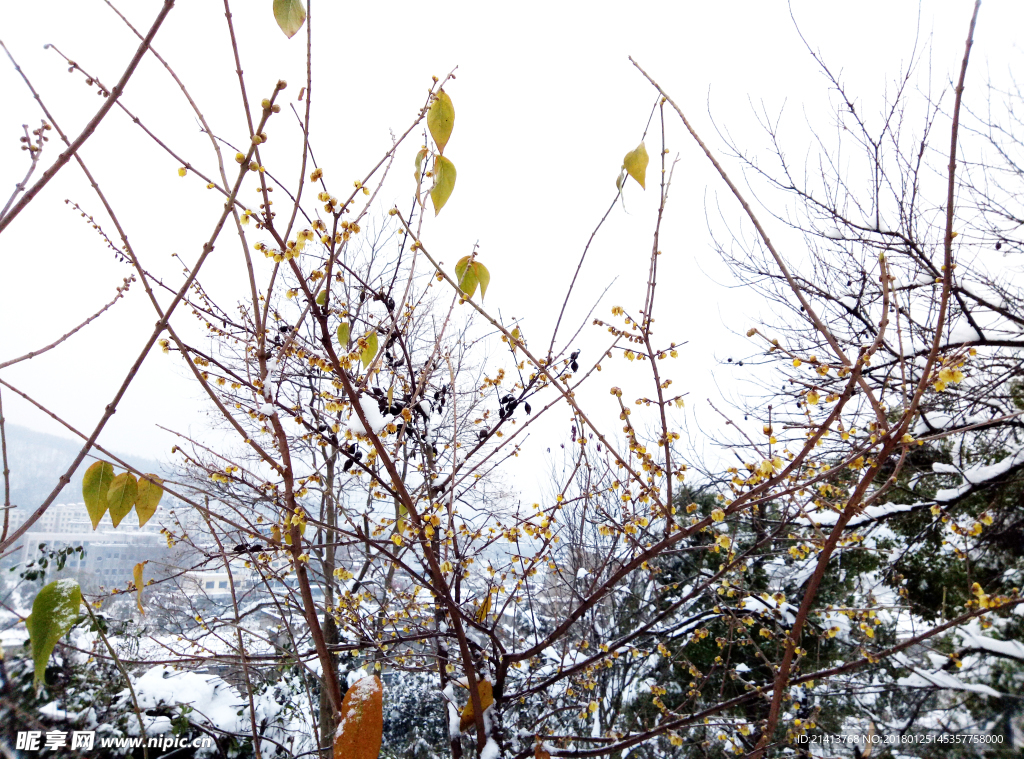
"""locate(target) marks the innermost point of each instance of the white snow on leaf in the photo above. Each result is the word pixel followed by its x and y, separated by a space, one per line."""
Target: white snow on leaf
pixel 215 702
pixel 454 718
pixel 870 514
pixel 374 418
pixel 962 333
pixel 922 679
pixel 491 750
pixel 978 475
pixel 761 604
pixel 354 676
pixel 1012 648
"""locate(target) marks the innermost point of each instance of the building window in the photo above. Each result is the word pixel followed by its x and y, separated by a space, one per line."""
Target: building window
pixel 209 584
pixel 223 584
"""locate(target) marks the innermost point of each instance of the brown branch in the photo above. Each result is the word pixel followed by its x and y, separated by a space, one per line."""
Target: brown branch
pixel 108 103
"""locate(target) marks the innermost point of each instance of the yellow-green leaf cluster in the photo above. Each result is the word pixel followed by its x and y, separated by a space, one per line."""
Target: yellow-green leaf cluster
pixel 471 273
pixel 102 491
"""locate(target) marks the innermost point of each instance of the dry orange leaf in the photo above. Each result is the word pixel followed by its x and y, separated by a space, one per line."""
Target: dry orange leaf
pixel 540 753
pixel 468 719
pixel 361 725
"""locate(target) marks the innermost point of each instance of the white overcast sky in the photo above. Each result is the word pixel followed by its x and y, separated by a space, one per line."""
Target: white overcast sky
pixel 547 104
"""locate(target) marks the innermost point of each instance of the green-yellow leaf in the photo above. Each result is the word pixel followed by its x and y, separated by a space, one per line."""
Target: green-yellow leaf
pixel 483 277
pixel 635 164
pixel 441 120
pixel 95 484
pixel 343 335
pixel 466 276
pixel 321 297
pixel 54 611
pixel 370 352
pixel 137 576
pixel 444 183
pixel 121 496
pixel 420 158
pixel 148 498
pixel 290 15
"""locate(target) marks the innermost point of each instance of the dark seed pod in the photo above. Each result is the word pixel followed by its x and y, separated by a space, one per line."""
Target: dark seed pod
pixel 574 366
pixel 526 406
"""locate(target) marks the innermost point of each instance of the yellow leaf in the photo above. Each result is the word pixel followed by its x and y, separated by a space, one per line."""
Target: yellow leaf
pixel 444 183
pixel 441 120
pixel 485 608
pixel 635 164
pixel 95 484
pixel 361 723
pixel 148 498
pixel 137 576
pixel 290 15
pixel 121 496
pixel 468 718
pixel 343 335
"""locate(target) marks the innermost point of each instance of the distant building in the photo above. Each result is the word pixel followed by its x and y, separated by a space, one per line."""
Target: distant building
pixel 110 554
